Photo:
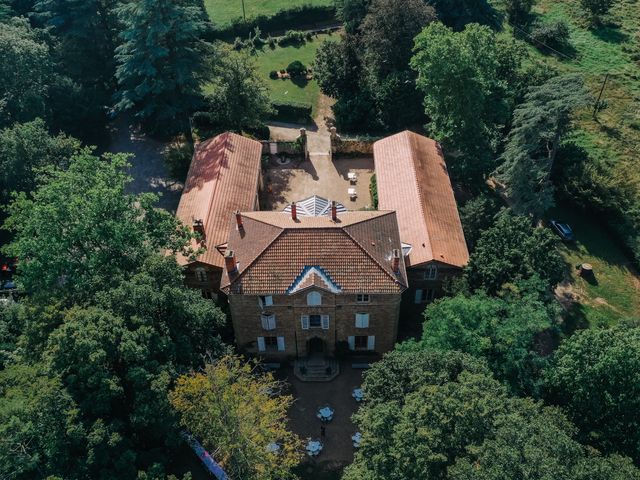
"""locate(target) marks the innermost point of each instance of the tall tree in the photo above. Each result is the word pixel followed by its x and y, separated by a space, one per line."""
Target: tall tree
pixel 501 330
pixel 469 81
pixel 27 147
pixel 236 413
pixel 511 250
pixel 162 62
pixel 539 124
pixel 238 97
pixel 80 233
pixel 351 13
pixel 595 376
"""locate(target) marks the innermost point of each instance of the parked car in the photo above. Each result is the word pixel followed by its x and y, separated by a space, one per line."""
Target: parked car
pixel 563 230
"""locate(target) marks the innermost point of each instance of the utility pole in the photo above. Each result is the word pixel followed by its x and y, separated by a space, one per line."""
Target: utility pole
pixel 604 84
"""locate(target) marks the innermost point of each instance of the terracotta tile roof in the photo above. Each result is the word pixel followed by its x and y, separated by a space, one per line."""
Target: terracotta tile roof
pixel 274 253
pixel 223 178
pixel 412 179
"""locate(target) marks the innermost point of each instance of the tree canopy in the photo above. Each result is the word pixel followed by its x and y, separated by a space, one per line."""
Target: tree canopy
pixel 236 413
pixel 595 376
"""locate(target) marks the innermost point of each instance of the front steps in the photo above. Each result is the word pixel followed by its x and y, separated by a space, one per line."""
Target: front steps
pixel 316 369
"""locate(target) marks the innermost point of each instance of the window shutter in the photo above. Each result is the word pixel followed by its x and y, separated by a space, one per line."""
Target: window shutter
pixel 261 345
pixel 268 300
pixel 352 343
pixel 418 297
pixel 304 320
pixel 281 344
pixel 362 320
pixel 272 322
pixel 265 322
pixel 325 322
pixel 371 342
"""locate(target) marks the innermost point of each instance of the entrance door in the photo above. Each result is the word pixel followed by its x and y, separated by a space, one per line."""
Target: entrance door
pixel 315 345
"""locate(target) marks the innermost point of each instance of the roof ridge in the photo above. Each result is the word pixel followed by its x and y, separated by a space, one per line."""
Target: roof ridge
pixel 217 183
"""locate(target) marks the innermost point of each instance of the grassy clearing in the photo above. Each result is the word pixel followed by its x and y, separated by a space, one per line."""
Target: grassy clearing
pixel 268 59
pixel 616 292
pixel 222 12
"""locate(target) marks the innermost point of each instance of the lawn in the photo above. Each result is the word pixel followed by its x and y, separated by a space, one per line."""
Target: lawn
pixel 222 12
pixel 615 293
pixel 269 59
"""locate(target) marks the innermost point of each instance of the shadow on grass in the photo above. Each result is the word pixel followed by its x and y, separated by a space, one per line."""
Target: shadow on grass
pixel 610 34
pixel 317 471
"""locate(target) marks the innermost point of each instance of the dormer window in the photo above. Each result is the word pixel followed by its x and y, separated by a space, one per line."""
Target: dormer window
pixel 314 299
pixel 431 272
pixel 201 274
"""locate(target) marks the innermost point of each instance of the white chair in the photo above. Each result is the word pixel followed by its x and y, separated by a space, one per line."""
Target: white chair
pixel 352 176
pixel 352 193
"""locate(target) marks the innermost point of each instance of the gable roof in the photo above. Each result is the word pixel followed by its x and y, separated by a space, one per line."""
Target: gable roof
pixel 223 178
pixel 277 255
pixel 412 179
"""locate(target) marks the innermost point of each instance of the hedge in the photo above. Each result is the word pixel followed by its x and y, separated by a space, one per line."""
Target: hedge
pixel 292 112
pixel 285 19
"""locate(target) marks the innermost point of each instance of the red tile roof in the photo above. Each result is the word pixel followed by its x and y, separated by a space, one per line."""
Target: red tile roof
pixel 223 178
pixel 412 179
pixel 272 251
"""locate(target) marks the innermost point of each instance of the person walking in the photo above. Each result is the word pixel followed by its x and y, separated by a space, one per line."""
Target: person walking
pixel 323 431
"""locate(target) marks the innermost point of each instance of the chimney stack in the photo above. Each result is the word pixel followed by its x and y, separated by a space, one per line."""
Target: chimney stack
pixel 230 262
pixel 294 211
pixel 396 261
pixel 334 211
pixel 239 220
pixel 198 226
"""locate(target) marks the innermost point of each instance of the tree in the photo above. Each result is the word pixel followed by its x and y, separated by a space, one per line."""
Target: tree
pixel 162 62
pixel 351 13
pixel 595 377
pixel 238 98
pixel 458 13
pixel 539 124
pixel 518 11
pixel 25 70
pixel 477 215
pixel 503 331
pixel 596 8
pixel 119 358
pixel 27 147
pixel 469 81
pixel 336 67
pixel 235 413
pixel 80 233
pixel 512 249
pixel 39 426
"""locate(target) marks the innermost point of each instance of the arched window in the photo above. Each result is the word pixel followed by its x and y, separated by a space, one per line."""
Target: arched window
pixel 314 298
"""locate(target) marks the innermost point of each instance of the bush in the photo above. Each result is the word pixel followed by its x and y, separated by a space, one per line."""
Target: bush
pixel 554 34
pixel 292 112
pixel 373 189
pixel 259 132
pixel 273 74
pixel 292 37
pixel 296 69
pixel 177 158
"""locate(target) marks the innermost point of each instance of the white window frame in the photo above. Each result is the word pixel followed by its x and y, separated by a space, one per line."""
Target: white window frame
pixel 363 298
pixel 265 300
pixel 304 322
pixel 430 272
pixel 314 299
pixel 362 320
pixel 268 321
pixel 201 274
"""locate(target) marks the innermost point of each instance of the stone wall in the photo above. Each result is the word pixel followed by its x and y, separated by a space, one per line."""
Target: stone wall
pixel 246 312
pixel 351 146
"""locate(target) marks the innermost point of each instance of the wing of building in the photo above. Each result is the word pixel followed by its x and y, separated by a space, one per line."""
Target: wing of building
pixel 224 177
pixel 412 180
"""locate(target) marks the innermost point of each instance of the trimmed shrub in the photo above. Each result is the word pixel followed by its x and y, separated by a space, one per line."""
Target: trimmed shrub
pixel 292 112
pixel 373 189
pixel 273 74
pixel 297 68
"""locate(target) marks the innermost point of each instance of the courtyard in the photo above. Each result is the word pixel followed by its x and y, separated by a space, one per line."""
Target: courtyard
pixel 320 175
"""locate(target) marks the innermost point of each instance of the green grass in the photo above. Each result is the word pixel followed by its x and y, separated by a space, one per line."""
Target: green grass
pixel 222 12
pixel 269 59
pixel 615 293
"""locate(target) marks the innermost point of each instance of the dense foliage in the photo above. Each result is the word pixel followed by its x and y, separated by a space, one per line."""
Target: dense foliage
pixel 237 413
pixel 595 376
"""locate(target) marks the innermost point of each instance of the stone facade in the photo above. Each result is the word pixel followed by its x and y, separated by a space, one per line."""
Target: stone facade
pixel 203 277
pixel 296 336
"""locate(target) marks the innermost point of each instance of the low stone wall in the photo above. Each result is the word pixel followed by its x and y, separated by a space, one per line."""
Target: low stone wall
pixel 297 147
pixel 351 146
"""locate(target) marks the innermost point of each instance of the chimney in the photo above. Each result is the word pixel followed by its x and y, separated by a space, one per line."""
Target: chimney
pixel 294 211
pixel 230 262
pixel 334 211
pixel 396 261
pixel 239 220
pixel 198 226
